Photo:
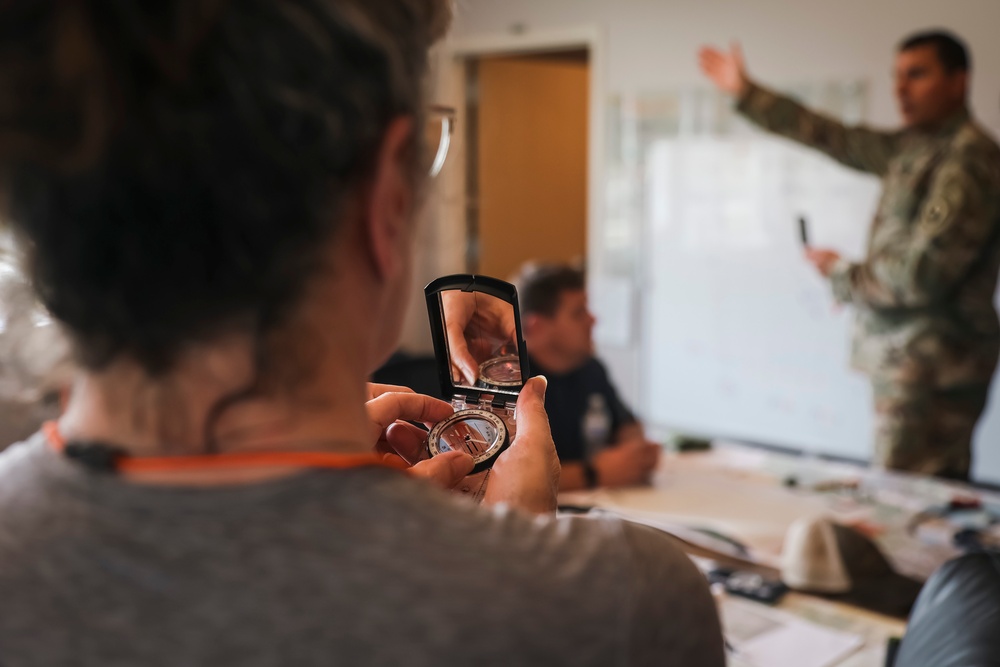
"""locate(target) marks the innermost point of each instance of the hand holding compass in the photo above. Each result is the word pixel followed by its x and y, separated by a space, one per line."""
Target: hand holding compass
pixel 390 409
pixel 476 316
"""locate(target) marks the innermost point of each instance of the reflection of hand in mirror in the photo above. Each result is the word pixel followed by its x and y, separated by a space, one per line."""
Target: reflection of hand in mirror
pixel 479 327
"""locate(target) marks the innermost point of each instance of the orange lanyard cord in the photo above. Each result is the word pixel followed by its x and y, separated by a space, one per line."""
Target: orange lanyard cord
pixel 146 464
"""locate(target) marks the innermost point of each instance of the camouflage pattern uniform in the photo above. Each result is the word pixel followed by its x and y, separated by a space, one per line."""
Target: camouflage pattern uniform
pixel 926 332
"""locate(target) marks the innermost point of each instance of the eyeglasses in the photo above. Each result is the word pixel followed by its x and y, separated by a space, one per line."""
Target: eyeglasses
pixel 440 126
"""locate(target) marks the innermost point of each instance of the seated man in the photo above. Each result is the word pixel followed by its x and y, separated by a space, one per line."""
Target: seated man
pixel 599 440
pixel 218 203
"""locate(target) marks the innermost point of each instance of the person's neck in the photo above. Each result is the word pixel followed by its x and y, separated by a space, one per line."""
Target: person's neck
pixel 947 122
pixel 204 405
pixel 215 398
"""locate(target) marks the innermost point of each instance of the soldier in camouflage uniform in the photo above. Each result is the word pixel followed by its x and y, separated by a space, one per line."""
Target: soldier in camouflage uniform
pixel 926 332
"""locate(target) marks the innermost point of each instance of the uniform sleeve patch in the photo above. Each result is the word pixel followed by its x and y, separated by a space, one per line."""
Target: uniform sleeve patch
pixel 938 214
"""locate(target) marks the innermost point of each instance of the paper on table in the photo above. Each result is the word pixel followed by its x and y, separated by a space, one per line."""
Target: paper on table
pixel 765 637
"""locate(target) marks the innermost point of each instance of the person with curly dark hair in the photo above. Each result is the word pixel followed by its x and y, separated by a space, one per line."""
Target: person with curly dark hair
pixel 216 201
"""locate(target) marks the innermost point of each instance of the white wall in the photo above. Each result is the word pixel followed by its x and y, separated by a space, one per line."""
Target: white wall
pixel 652 43
pixel 649 45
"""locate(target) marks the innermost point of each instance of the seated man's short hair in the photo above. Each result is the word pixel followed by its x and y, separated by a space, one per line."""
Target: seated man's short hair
pixel 540 287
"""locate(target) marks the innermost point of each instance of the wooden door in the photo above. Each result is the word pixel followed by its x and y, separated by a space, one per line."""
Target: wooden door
pixel 532 161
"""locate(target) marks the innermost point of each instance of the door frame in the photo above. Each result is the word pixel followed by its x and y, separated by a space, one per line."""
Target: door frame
pixel 452 85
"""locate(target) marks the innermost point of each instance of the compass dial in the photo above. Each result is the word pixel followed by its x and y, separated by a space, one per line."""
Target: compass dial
pixel 501 372
pixel 481 434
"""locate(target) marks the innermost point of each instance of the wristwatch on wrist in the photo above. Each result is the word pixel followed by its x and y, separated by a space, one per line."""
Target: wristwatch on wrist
pixel 589 474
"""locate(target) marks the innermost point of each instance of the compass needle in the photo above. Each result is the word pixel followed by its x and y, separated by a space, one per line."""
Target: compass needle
pixel 479 432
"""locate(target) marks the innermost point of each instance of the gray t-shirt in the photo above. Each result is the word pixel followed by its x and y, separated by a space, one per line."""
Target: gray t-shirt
pixel 355 567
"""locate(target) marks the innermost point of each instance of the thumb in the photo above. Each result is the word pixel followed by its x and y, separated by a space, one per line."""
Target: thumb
pixel 531 413
pixel 737 52
pixel 444 470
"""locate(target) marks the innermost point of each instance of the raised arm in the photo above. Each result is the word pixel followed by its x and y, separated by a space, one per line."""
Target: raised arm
pixel 856 147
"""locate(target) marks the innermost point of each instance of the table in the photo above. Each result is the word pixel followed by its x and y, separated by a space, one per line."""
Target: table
pixel 744 493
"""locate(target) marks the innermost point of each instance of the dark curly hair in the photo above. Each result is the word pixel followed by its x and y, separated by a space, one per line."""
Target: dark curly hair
pixel 174 167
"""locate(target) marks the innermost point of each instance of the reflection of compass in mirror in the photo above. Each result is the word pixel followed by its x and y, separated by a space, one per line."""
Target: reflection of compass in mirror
pixel 481 434
pixel 501 373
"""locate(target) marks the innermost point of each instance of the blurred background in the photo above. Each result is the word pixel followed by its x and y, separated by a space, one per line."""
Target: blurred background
pixel 585 132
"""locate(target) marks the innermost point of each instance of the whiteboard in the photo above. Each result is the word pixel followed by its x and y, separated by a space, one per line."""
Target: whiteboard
pixel 739 336
pixel 742 337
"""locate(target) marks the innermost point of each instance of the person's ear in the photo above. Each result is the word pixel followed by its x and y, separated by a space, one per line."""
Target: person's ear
pixel 958 82
pixel 963 85
pixel 391 197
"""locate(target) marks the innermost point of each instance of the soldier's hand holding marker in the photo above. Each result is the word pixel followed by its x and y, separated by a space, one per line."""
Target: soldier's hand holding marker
pixel 824 260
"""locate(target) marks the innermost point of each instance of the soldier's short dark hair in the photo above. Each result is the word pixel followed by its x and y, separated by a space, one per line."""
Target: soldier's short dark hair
pixel 540 288
pixel 951 50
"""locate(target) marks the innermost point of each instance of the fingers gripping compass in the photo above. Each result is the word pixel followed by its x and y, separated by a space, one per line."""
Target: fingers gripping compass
pixel 475 324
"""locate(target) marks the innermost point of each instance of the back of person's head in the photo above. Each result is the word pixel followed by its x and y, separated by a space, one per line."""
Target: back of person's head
pixel 540 287
pixel 175 168
pixel 951 50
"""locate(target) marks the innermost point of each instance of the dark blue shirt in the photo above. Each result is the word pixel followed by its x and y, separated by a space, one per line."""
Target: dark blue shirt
pixel 584 410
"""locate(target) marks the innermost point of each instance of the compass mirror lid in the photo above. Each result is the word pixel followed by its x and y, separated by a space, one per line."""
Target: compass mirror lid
pixel 476 329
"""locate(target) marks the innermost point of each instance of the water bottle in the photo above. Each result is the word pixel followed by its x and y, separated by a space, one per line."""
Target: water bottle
pixel 596 425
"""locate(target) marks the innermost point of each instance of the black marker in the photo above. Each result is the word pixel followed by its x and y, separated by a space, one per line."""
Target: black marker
pixel 803 231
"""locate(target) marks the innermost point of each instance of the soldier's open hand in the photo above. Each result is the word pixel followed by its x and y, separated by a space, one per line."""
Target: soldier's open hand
pixel 726 69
